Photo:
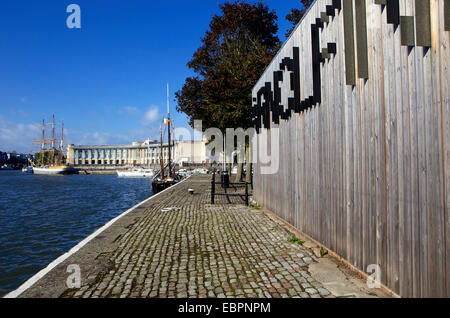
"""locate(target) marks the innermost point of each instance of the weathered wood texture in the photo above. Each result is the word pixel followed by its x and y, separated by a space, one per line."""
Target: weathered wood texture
pixel 367 171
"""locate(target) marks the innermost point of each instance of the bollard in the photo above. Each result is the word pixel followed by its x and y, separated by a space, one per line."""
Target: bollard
pixel 213 186
pixel 225 179
pixel 246 193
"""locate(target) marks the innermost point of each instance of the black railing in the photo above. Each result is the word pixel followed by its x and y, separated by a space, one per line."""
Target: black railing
pixel 226 184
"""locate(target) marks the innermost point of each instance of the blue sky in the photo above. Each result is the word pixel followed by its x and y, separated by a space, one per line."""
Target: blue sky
pixel 106 80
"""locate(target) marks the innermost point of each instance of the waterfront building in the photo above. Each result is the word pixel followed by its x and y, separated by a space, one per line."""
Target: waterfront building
pixel 146 153
pixel 3 158
pixel 188 152
pixel 14 157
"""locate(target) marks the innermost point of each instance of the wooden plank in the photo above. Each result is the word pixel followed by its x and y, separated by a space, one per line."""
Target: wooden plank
pixel 437 219
pixel 445 111
pixel 397 162
pixel 405 249
pixel 389 93
pixel 373 30
pixel 414 170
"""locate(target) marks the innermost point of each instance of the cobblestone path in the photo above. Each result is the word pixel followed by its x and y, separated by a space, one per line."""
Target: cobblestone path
pixel 185 247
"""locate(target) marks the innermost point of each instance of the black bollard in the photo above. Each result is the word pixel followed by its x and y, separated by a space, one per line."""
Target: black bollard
pixel 225 179
pixel 246 194
pixel 213 187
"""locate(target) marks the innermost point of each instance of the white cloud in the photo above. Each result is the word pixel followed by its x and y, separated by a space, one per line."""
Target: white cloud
pixel 19 112
pixel 95 138
pixel 150 116
pixel 18 137
pixel 106 138
pixel 129 110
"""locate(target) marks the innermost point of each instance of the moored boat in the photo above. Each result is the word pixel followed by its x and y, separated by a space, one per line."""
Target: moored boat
pixel 52 170
pixel 27 169
pixel 51 161
pixel 136 173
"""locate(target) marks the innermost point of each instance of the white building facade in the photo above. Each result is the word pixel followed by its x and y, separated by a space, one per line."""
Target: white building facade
pixel 137 154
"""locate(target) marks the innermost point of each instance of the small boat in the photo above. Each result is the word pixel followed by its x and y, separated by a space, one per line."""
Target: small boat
pixel 27 169
pixel 159 185
pixel 6 167
pixel 136 173
pixel 52 170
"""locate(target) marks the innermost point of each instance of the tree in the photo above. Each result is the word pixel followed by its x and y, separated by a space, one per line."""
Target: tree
pixel 297 14
pixel 235 51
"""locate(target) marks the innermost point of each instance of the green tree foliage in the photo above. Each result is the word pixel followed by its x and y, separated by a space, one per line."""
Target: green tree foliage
pixel 235 51
pixel 297 14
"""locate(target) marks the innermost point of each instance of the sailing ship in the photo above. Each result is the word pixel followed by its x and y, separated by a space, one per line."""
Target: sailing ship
pixel 54 165
pixel 163 180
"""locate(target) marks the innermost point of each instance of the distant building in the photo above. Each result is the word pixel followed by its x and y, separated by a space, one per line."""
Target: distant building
pixel 3 158
pixel 21 157
pixel 189 152
pixel 137 154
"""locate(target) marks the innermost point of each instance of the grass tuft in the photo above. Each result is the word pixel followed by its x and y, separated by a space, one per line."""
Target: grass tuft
pixel 296 240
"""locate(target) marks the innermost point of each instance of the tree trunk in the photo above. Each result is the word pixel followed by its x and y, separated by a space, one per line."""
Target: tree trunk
pixel 248 173
pixel 240 160
pixel 239 172
pixel 228 166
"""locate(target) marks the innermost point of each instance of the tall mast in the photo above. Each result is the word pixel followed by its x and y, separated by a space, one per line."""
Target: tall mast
pixel 43 142
pixel 168 132
pixel 148 153
pixel 43 135
pixel 52 141
pixel 62 144
pixel 173 141
pixel 161 157
pixel 53 132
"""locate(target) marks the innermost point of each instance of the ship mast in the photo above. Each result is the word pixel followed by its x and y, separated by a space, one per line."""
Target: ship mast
pixel 161 156
pixel 61 147
pixel 52 141
pixel 173 143
pixel 43 142
pixel 168 133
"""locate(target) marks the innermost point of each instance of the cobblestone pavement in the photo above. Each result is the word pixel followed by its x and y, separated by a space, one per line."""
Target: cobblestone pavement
pixel 185 247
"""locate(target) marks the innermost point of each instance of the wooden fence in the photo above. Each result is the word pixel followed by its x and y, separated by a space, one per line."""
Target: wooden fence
pixel 361 95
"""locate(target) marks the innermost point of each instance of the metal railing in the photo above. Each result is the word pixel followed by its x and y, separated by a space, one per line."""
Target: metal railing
pixel 226 185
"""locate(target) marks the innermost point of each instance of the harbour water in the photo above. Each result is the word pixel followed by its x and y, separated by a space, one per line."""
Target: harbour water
pixel 42 217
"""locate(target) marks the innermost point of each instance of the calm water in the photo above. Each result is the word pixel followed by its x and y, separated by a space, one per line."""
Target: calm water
pixel 42 217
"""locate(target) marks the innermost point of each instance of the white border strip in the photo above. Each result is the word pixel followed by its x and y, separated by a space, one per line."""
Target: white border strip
pixel 33 280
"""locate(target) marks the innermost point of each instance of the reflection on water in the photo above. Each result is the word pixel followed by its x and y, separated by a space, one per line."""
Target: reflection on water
pixel 42 217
